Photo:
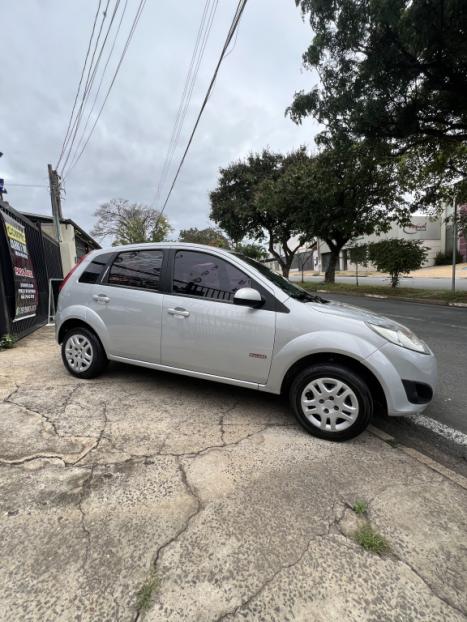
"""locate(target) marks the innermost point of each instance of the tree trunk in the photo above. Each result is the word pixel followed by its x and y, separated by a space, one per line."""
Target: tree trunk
pixel 285 270
pixel 330 274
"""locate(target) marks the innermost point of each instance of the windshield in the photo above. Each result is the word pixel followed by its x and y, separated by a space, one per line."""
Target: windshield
pixel 294 291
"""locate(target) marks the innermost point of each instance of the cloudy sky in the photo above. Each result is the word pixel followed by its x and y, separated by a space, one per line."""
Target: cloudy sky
pixel 43 47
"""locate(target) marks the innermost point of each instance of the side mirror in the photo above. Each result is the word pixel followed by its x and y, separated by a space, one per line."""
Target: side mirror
pixel 248 297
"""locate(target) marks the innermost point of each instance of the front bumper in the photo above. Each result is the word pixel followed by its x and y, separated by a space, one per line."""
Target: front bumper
pixel 392 365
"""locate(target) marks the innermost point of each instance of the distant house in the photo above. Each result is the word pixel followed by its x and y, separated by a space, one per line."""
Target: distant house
pixel 75 241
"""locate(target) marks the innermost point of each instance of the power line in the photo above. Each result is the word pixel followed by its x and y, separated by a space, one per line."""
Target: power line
pixel 80 82
pixel 91 77
pixel 91 83
pixel 190 80
pixel 75 120
pixel 235 21
pixel 119 64
pixel 80 142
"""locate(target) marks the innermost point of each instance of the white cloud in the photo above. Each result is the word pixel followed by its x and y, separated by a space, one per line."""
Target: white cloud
pixel 43 47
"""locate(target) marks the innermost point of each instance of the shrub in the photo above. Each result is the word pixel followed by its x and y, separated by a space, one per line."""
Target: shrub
pixel 445 259
pixel 6 342
pixel 397 256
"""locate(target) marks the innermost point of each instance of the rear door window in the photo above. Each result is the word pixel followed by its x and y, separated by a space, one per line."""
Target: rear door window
pixel 137 269
pixel 94 270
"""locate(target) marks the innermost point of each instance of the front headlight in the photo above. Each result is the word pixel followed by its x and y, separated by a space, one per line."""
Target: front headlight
pixel 401 336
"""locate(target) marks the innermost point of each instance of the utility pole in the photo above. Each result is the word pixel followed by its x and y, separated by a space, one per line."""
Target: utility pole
pixel 55 199
pixel 454 244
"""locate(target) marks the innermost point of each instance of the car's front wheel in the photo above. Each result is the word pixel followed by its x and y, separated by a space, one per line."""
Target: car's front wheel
pixel 82 353
pixel 331 401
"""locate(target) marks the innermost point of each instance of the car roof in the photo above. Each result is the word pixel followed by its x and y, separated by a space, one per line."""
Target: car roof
pixel 155 245
pixel 199 247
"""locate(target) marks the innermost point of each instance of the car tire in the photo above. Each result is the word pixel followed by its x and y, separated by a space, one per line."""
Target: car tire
pixel 331 401
pixel 82 353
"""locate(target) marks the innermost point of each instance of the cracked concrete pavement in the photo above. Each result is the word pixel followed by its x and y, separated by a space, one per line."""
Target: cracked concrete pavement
pixel 215 492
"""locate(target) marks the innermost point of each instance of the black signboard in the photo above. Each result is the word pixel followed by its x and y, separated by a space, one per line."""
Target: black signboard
pixel 26 294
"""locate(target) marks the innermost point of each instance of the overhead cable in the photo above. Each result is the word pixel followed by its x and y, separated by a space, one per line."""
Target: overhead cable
pixel 235 21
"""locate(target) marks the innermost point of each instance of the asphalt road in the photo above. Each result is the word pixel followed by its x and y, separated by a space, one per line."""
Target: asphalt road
pixel 445 331
pixel 419 283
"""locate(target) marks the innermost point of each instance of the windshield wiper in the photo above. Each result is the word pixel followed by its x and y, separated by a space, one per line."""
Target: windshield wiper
pixel 306 297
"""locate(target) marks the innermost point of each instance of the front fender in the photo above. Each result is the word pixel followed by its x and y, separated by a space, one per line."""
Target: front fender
pixel 317 342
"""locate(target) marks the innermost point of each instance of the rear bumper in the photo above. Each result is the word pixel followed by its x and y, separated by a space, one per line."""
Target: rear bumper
pixel 408 378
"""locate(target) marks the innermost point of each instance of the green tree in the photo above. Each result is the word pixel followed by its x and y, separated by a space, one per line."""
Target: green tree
pixel 210 236
pixel 359 256
pixel 253 199
pixel 397 256
pixel 395 73
pixel 130 223
pixel 252 250
pixel 346 191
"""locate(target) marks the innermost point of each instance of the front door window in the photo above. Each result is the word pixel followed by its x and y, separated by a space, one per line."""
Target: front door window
pixel 207 276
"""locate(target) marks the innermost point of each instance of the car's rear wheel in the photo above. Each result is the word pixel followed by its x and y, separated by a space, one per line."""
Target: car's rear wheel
pixel 82 353
pixel 331 401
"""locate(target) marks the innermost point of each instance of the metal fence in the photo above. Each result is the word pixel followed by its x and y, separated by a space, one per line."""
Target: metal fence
pixel 46 261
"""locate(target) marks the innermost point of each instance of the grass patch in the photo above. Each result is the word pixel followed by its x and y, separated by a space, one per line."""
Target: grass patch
pixel 444 295
pixel 371 540
pixel 145 594
pixel 360 507
pixel 7 342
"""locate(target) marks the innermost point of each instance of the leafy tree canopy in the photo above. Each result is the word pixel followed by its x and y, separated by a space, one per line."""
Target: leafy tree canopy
pixel 130 223
pixel 210 236
pixel 253 199
pixel 392 69
pixel 397 256
pixel 395 73
pixel 344 192
pixel 250 249
pixel 358 254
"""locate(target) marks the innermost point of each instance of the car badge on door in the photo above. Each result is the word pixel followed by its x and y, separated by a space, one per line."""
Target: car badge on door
pixel 255 355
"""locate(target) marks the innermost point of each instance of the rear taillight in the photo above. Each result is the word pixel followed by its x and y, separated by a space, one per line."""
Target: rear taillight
pixel 62 284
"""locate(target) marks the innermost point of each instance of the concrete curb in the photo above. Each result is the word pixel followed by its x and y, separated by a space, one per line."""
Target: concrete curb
pixel 457 478
pixel 425 301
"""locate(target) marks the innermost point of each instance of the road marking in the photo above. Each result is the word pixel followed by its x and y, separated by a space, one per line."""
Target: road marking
pixel 406 317
pixel 446 431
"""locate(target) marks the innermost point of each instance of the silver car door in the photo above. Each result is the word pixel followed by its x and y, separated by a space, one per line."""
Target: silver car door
pixel 202 330
pixel 130 305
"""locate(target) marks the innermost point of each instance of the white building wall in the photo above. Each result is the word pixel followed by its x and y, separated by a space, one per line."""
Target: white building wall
pixel 67 245
pixel 430 231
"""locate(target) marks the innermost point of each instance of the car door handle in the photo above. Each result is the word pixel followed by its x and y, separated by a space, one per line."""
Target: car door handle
pixel 101 298
pixel 180 311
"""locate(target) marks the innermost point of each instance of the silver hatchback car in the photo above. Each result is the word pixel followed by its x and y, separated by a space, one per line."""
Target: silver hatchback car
pixel 214 314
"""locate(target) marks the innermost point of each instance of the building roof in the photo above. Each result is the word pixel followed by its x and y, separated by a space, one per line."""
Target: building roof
pixel 65 221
